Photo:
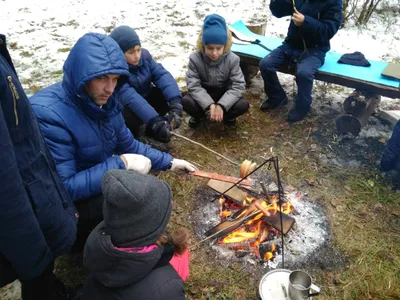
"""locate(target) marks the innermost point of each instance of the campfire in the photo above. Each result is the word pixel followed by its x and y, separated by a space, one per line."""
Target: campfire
pixel 250 223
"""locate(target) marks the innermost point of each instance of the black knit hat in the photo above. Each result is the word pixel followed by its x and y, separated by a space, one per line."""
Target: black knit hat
pixel 136 207
pixel 355 59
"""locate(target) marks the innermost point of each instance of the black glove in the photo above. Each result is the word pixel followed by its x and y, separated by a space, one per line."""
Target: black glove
pixel 175 113
pixel 159 129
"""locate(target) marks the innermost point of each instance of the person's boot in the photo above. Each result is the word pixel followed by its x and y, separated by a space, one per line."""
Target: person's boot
pixel 297 113
pixel 230 122
pixel 194 123
pixel 268 104
pixel 46 286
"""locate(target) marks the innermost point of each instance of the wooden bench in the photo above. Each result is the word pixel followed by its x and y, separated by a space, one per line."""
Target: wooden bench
pixel 357 107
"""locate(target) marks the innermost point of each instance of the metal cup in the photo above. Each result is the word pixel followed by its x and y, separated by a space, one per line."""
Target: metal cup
pixel 300 286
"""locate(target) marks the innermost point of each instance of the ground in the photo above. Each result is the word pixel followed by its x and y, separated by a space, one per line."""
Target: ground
pixel 340 173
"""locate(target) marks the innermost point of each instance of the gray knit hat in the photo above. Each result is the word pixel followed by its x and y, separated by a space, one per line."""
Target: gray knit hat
pixel 136 207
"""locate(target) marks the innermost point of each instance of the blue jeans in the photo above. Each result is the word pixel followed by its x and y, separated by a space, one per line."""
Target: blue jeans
pixel 305 64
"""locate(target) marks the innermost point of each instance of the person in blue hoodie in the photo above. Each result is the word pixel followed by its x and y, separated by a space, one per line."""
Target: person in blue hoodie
pixel 151 96
pixel 313 23
pixel 83 125
pixel 390 160
pixel 37 217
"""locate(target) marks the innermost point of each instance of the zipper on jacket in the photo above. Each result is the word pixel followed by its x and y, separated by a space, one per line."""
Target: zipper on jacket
pixel 15 94
pixel 100 124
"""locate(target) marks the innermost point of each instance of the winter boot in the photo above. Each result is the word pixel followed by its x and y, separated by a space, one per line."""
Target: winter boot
pixel 268 104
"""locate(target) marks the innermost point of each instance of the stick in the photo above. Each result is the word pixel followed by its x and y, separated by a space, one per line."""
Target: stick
pixel 265 191
pixel 196 143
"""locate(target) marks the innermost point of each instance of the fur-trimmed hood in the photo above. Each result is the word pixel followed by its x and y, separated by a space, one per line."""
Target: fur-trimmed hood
pixel 228 45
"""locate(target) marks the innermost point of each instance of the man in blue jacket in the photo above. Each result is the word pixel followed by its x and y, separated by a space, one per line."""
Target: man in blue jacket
pixel 151 96
pixel 37 217
pixel 82 122
pixel 313 24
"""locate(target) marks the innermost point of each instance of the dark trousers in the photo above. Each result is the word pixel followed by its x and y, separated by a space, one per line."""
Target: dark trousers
pixel 306 65
pixel 156 100
pixel 90 215
pixel 192 108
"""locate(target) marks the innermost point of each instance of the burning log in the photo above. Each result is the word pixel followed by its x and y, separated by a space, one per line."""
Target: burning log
pixel 235 193
pixel 267 250
pixel 240 217
pixel 275 221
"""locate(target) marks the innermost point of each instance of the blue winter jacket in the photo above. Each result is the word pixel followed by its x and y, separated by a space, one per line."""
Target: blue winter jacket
pixel 141 79
pixel 322 20
pixel 37 217
pixel 391 157
pixel 84 139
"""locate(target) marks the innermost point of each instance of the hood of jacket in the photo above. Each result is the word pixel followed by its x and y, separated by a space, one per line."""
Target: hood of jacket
pixel 115 268
pixel 94 55
pixel 227 48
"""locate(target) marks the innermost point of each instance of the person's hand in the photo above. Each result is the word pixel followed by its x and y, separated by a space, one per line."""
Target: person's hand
pixel 175 119
pixel 159 129
pixel 182 165
pixel 175 113
pixel 136 162
pixel 298 18
pixel 216 113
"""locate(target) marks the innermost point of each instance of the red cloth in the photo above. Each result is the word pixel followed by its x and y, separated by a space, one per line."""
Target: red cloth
pixel 181 264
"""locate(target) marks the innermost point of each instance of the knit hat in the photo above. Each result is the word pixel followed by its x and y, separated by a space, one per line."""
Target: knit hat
pixel 355 59
pixel 136 207
pixel 214 30
pixel 126 37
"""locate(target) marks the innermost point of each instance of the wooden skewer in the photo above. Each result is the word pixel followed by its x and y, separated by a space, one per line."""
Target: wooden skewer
pixel 201 145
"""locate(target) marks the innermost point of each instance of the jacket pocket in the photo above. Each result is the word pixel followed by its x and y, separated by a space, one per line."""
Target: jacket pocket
pixel 41 204
pixel 15 96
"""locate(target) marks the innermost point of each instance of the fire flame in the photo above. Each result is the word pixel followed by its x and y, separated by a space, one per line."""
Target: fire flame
pixel 255 231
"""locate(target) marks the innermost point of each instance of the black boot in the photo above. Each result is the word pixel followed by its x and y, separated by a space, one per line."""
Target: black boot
pixel 45 287
pixel 297 113
pixel 230 122
pixel 268 104
pixel 194 123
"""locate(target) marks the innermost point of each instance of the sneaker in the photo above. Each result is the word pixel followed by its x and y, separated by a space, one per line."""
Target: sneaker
pixel 230 122
pixel 194 123
pixel 297 113
pixel 268 105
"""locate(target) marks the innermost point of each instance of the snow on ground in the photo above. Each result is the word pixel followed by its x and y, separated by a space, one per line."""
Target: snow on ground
pixel 40 33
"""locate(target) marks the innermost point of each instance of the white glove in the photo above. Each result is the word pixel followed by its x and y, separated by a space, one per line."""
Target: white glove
pixel 182 165
pixel 137 162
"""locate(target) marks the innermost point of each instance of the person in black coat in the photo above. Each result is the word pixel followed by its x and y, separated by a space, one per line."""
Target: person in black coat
pixel 37 217
pixel 390 161
pixel 313 24
pixel 128 255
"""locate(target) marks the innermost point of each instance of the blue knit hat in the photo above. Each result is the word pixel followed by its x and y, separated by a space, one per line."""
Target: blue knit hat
pixel 126 37
pixel 214 30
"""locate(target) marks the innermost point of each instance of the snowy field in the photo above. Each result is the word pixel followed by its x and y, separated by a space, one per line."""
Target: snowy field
pixel 40 34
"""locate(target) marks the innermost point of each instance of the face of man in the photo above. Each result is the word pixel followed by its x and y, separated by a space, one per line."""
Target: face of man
pixel 100 89
pixel 132 56
pixel 214 51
